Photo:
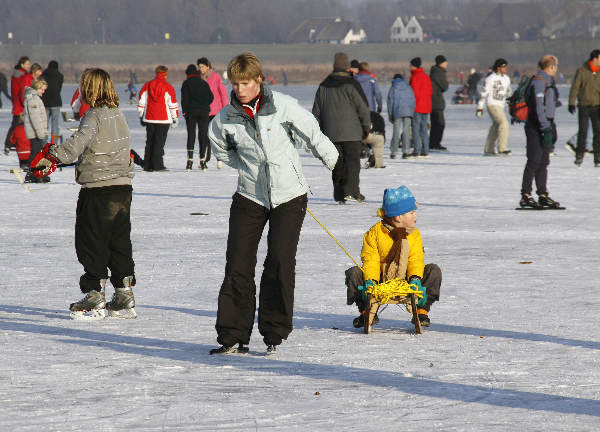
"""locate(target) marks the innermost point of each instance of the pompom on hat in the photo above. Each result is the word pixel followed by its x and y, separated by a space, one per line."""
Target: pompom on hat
pixel 397 202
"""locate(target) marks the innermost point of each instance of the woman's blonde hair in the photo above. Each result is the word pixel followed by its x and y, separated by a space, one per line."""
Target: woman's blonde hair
pixel 38 83
pixel 245 66
pixel 97 89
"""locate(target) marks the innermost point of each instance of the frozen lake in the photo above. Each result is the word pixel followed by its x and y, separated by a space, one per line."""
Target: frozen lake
pixel 512 346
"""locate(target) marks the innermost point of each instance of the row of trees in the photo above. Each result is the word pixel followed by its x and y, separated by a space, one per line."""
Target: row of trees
pixel 207 21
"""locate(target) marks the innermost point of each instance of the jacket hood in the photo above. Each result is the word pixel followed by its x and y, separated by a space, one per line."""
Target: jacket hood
pixel 338 79
pixel 18 72
pixel 398 82
pixel 417 71
pixel 156 88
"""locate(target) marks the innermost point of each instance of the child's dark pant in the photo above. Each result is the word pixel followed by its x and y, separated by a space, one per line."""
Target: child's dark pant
pixel 237 298
pixel 156 137
pixel 102 235
pixel 432 279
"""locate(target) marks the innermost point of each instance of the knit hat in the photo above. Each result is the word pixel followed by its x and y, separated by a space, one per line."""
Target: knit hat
pixel 341 62
pixel 439 59
pixel 398 201
pixel 354 64
pixel 191 70
pixel 416 62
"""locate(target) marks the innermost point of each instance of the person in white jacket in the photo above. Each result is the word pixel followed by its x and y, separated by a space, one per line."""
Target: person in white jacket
pixel 36 122
pixel 496 91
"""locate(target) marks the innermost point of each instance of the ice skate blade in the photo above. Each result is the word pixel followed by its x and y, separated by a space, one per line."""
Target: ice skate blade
pixel 123 313
pixel 92 315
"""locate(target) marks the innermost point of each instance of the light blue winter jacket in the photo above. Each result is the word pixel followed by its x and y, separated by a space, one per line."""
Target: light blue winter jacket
pixel 264 149
pixel 371 90
pixel 400 99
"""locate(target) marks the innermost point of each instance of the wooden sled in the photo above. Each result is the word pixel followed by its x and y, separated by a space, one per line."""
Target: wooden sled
pixel 373 306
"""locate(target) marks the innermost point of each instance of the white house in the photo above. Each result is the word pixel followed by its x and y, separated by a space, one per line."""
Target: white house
pixel 411 32
pixel 327 30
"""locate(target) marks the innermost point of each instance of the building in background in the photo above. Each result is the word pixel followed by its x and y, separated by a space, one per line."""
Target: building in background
pixel 328 30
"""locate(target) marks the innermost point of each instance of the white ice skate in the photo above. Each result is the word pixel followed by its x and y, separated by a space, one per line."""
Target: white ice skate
pixel 122 304
pixel 92 307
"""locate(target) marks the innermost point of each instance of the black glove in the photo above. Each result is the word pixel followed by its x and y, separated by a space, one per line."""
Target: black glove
pixel 548 138
pixel 142 122
pixel 572 109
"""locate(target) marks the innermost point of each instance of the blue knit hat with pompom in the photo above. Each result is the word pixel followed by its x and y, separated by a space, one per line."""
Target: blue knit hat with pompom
pixel 398 201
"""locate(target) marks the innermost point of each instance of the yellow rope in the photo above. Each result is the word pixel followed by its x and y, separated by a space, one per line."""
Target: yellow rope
pixel 382 292
pixel 386 291
pixel 331 235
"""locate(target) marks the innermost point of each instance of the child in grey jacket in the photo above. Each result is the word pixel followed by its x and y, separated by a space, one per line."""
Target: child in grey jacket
pixel 101 147
pixel 36 122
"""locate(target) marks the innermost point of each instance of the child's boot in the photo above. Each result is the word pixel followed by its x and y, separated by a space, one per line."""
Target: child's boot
pixel 528 201
pixel 189 164
pixel 122 304
pixel 91 307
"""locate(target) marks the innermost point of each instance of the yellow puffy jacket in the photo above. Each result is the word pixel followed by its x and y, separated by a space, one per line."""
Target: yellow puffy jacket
pixel 377 243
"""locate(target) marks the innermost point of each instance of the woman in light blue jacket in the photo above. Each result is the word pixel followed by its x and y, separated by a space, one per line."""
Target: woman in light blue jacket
pixel 401 107
pixel 258 134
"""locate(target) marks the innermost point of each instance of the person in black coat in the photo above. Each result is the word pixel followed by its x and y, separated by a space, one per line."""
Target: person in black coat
pixel 440 85
pixel 196 98
pixel 51 98
pixel 3 88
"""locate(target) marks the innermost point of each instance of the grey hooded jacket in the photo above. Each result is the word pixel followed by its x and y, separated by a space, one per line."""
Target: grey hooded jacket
pixel 341 108
pixel 264 149
pixel 102 147
pixel 36 122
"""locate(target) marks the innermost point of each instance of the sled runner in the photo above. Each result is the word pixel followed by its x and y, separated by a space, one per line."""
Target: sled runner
pixel 373 306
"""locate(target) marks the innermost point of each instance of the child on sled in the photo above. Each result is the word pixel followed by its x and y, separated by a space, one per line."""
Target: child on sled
pixel 392 248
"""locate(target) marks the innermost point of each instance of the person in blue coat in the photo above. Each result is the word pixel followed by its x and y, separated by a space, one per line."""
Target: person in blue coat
pixel 401 107
pixel 368 82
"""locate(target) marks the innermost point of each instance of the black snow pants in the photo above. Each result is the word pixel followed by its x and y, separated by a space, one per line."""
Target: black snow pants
pixel 102 236
pixel 197 118
pixel 237 297
pixel 156 137
pixel 346 174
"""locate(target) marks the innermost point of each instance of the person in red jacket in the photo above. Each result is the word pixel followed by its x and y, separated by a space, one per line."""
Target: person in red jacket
pixel 78 105
pixel 16 81
pixel 423 90
pixel 158 110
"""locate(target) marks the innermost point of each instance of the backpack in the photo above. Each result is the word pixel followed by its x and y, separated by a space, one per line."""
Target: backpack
pixel 517 103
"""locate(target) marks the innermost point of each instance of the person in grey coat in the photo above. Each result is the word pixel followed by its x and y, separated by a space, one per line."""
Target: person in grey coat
pixel 401 107
pixel 343 114
pixel 3 88
pixel 440 85
pixel 36 122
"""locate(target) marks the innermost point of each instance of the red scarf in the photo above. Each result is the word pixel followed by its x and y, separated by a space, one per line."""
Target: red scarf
pixel 248 108
pixel 594 68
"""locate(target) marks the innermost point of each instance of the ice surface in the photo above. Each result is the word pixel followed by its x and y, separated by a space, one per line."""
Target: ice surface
pixel 511 347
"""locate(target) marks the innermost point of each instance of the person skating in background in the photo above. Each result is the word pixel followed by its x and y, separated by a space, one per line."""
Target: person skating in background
pixel 370 87
pixel 52 99
pixel 258 134
pixel 401 108
pixel 36 123
pixel 423 90
pixel 343 114
pixel 540 131
pixel 439 82
pixel 584 96
pixel 393 249
pixel 496 91
pixel 196 98
pixel 473 85
pixel 102 224
pixel 3 88
pixel 16 89
pixel 221 98
pixel 158 110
